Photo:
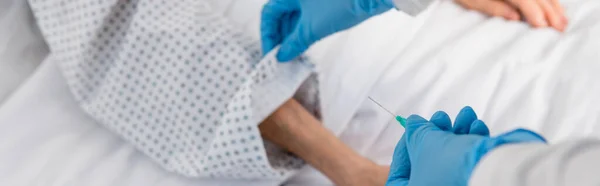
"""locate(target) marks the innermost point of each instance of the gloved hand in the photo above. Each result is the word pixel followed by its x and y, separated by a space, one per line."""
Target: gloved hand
pixel 297 24
pixel 435 153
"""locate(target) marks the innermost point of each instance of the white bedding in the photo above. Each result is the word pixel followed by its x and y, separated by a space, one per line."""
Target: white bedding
pixel 21 45
pixel 512 75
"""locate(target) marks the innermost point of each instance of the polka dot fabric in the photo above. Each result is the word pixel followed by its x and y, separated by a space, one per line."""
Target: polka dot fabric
pixel 174 79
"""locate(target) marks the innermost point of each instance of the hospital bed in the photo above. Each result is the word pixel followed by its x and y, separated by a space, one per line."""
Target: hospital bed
pixel 447 57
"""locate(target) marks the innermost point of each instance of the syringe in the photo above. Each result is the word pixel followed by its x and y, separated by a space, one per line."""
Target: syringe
pixel 399 118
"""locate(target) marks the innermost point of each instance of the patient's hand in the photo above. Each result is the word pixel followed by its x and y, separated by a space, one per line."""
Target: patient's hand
pixel 296 130
pixel 538 13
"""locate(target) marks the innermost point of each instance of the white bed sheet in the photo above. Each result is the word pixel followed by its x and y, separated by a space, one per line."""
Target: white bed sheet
pixel 513 76
pixel 47 140
pixel 21 45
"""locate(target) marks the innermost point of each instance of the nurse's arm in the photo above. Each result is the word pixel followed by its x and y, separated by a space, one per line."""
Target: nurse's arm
pixel 294 129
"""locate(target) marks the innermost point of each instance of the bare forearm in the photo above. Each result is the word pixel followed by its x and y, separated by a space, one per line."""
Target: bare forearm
pixel 297 131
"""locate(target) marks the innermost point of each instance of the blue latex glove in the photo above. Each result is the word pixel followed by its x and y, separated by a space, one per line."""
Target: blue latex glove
pixel 435 153
pixel 297 24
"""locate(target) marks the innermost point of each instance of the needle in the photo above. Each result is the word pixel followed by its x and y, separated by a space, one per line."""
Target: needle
pixel 398 118
pixel 382 106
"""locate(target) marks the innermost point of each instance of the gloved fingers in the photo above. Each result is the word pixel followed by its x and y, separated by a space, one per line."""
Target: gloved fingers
pixel 478 127
pixel 286 27
pixel 416 128
pixel 269 36
pixel 462 123
pixel 289 23
pixel 441 120
pixel 400 167
pixel 296 43
pixel 272 17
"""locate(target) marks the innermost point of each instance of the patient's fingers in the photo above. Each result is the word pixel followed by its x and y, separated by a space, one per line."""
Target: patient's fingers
pixel 538 13
pixel 492 8
pixel 533 12
pixel 558 7
pixel 552 15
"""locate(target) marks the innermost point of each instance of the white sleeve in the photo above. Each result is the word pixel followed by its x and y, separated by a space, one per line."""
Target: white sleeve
pixel 412 7
pixel 567 163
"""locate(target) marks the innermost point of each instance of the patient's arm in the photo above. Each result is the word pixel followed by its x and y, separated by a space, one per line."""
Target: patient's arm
pixel 294 129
